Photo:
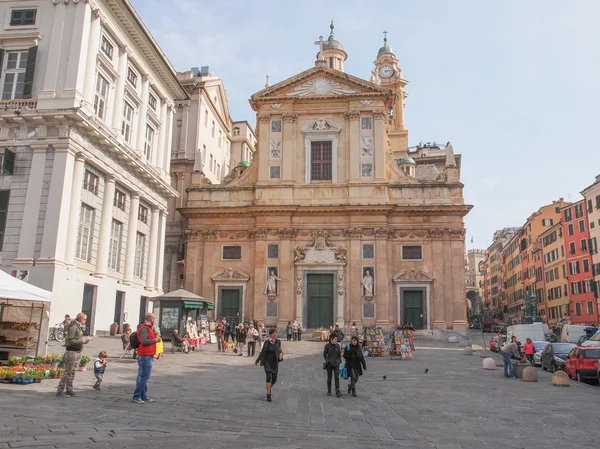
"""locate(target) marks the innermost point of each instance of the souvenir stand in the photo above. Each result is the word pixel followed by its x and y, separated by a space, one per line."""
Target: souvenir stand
pixel 400 345
pixel 180 310
pixel 374 342
pixel 24 318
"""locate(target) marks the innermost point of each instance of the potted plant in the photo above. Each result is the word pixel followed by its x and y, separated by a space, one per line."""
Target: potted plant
pixel 59 373
pixel 83 361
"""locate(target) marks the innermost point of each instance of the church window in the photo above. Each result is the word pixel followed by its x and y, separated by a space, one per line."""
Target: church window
pixel 212 132
pixel 210 166
pixel 331 62
pixel 232 252
pixel 275 126
pixel 320 161
pixel 273 251
pixel 274 172
pixel 413 252
pixel 368 251
pixel 366 123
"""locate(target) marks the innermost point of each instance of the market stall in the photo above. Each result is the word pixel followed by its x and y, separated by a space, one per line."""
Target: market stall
pixel 181 310
pixel 24 318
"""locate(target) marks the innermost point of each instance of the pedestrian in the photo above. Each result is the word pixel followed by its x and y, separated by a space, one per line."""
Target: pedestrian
pixel 299 333
pixel 251 339
pixel 99 368
pixel 74 345
pixel 295 328
pixel 333 359
pixel 338 333
pixel 269 358
pixel 240 339
pixel 354 330
pixel 219 331
pixel 261 337
pixel 147 340
pixel 65 324
pixel 529 350
pixel 510 350
pixel 175 338
pixel 288 331
pixel 355 363
pixel 229 332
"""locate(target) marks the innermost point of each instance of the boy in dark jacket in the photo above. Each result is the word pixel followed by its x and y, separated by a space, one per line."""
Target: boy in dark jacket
pixel 99 368
pixel 333 359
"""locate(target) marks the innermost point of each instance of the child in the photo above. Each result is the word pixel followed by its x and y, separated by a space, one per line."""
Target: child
pixel 99 367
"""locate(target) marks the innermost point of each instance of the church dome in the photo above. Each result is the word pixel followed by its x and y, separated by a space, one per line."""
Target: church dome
pixel 385 49
pixel 331 42
pixel 242 164
pixel 406 160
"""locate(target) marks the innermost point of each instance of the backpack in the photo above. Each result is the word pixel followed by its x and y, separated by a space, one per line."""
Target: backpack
pixel 134 343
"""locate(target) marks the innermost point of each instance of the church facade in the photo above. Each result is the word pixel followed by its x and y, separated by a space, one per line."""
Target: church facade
pixel 334 220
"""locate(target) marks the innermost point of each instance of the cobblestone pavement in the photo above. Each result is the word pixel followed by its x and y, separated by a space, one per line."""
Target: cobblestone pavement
pixel 213 400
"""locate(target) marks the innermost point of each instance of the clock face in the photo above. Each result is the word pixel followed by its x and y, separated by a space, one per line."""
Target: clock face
pixel 386 71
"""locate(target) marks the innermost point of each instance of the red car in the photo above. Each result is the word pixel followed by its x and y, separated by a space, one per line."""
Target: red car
pixel 582 362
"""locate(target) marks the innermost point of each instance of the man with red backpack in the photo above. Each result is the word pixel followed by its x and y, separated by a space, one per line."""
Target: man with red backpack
pixel 146 340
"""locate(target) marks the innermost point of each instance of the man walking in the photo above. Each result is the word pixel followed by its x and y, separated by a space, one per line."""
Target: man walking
pixel 74 345
pixel 146 352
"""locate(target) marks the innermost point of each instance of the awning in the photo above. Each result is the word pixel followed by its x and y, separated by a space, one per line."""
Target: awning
pixel 198 305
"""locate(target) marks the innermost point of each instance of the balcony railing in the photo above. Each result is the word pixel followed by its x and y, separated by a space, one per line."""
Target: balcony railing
pixel 17 105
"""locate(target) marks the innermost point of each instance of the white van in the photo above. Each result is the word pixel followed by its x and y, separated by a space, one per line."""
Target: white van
pixel 571 333
pixel 535 331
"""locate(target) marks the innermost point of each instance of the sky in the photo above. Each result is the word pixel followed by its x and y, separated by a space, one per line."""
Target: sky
pixel 513 84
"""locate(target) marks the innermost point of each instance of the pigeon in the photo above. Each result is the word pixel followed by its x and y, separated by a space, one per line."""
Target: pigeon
pixel 384 377
pixel 426 370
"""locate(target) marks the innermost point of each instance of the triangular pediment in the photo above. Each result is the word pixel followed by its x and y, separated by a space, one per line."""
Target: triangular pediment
pixel 321 82
pixel 413 275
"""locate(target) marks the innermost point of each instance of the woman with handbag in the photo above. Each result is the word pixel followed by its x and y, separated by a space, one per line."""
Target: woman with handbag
pixel 355 363
pixel 333 359
pixel 269 358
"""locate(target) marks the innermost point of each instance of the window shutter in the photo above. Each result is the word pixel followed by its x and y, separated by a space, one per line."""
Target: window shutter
pixel 1 59
pixel 8 162
pixel 29 72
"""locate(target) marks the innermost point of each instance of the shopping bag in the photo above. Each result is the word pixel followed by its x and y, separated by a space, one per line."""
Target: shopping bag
pixel 344 372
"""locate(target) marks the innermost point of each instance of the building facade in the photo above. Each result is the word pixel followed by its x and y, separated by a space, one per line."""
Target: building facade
pixel 495 270
pixel 206 143
pixel 85 123
pixel 583 306
pixel 474 281
pixel 334 220
pixel 555 274
pixel 592 201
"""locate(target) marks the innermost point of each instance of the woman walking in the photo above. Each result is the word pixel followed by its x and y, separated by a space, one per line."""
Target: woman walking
pixel 355 363
pixel 333 359
pixel 529 350
pixel 269 358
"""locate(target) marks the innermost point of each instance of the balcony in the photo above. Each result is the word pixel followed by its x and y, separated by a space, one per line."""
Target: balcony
pixel 18 105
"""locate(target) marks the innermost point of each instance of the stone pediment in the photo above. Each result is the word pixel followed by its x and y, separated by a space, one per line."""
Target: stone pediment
pixel 413 276
pixel 320 82
pixel 230 275
pixel 319 251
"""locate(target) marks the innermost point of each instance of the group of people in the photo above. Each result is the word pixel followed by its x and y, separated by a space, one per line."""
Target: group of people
pixel 249 333
pixel 293 331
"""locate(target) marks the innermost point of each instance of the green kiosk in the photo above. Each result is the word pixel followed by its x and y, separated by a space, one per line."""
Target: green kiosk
pixel 176 308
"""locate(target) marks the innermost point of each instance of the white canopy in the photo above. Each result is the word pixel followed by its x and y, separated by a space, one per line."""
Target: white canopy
pixel 13 288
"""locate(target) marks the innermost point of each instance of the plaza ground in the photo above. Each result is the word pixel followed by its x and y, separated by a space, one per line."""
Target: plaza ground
pixel 213 400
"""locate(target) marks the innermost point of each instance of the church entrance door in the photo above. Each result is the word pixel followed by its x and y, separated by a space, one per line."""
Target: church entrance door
pixel 229 305
pixel 413 308
pixel 319 300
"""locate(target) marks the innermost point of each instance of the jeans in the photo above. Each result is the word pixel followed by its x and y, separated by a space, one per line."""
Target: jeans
pixel 220 346
pixel 529 358
pixel 295 336
pixel 144 371
pixel 333 371
pixel 251 345
pixel 353 375
pixel 509 369
pixel 99 377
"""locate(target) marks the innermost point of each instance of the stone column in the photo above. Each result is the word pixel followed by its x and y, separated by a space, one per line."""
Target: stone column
pixel 290 120
pixel 299 281
pixel 152 252
pixel 78 53
pixel 105 225
pixel 158 159
pixel 379 144
pixel 353 158
pixel 31 210
pixel 285 309
pixel 168 146
pixel 54 53
pixel 262 154
pixel 59 200
pixel 354 276
pixel 143 117
pixel 183 135
pixel 447 287
pixel 193 262
pixel 74 209
pixel 90 65
pixel 459 311
pixel 117 114
pixel 161 249
pixel 341 295
pixel 382 278
pixel 174 281
pixel 260 276
pixel 437 258
pixel 132 227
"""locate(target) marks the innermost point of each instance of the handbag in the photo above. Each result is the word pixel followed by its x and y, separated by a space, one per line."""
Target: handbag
pixel 324 365
pixel 344 372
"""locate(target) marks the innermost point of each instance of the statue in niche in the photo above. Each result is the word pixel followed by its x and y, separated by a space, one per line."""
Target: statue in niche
pixel 272 288
pixel 368 282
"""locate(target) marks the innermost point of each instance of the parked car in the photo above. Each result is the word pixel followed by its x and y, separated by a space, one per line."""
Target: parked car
pixel 593 341
pixel 582 363
pixel 487 326
pixel 539 348
pixel 555 354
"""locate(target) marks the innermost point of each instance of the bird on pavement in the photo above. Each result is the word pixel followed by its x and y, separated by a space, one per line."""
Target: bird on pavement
pixel 426 370
pixel 384 377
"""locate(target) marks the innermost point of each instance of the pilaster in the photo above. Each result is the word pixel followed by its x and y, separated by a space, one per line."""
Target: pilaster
pixel 379 144
pixel 290 121
pixel 90 69
pixel 158 159
pixel 120 89
pixel 105 226
pixel 152 251
pixel 459 312
pixel 132 227
pixel 262 155
pixel 447 286
pixel 142 118
pixel 74 209
pixel 78 53
pixel 161 249
pixel 353 153
pixel 54 55
pixel 437 256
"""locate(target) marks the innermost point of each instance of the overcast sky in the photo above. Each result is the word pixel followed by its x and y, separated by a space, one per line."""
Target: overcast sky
pixel 513 84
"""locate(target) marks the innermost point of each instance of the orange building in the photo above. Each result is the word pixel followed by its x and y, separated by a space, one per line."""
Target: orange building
pixel 555 274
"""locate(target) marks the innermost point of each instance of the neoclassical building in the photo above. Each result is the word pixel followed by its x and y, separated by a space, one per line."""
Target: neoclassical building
pixel 335 220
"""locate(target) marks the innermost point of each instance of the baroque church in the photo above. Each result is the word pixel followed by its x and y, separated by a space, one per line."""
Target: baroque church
pixel 335 220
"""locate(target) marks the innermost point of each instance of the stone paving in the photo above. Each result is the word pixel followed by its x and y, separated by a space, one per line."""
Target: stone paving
pixel 213 400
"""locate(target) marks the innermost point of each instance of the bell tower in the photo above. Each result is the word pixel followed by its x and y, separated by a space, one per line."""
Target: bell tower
pixel 333 51
pixel 388 74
